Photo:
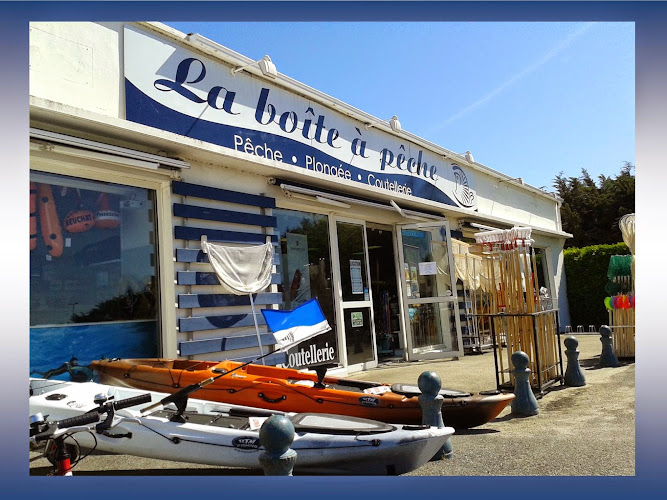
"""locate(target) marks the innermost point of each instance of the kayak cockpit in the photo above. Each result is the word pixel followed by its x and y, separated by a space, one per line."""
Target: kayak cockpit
pixel 317 423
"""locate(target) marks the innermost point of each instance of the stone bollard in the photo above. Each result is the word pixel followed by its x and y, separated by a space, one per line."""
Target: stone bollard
pixel 431 402
pixel 607 357
pixel 574 377
pixel 524 403
pixel 276 436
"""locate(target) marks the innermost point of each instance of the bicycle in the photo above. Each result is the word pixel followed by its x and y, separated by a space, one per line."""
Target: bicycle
pixel 62 449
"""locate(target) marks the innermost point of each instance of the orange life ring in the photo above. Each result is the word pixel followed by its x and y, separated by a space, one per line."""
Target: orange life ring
pixel 33 216
pixel 48 218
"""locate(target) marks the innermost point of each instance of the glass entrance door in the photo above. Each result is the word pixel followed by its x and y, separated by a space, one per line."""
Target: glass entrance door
pixel 430 304
pixel 355 305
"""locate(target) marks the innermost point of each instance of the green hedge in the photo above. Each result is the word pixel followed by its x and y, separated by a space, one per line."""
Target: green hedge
pixel 586 277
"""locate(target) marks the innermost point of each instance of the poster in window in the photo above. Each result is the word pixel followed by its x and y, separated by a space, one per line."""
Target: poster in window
pixel 355 276
pixel 428 268
pixel 298 277
pixel 414 281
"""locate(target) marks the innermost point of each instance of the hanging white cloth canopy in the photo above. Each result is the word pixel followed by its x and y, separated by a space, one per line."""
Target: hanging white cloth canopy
pixel 474 270
pixel 241 270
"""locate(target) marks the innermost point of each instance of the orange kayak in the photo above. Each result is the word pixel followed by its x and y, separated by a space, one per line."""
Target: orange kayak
pixel 296 391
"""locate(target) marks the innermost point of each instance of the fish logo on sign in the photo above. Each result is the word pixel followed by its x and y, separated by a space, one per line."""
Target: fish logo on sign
pixel 463 193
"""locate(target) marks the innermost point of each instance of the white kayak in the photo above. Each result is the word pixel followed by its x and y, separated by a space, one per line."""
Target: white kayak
pixel 228 435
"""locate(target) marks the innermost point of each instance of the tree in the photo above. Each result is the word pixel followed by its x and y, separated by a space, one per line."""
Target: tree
pixel 591 211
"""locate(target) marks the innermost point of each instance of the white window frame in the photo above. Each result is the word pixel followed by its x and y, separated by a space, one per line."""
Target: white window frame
pixel 99 168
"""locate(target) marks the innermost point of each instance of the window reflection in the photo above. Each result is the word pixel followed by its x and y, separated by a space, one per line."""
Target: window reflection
pixel 426 263
pixel 94 256
pixel 93 273
pixel 433 325
pixel 306 271
pixel 353 276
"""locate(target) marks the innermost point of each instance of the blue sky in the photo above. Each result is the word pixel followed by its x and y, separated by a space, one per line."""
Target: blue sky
pixel 529 100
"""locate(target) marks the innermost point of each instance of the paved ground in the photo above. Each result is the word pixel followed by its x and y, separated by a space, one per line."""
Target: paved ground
pixel 588 430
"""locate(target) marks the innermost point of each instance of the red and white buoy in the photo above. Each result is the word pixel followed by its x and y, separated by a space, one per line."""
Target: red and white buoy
pixel 105 218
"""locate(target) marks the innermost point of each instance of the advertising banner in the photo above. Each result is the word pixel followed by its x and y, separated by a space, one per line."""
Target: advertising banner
pixel 170 87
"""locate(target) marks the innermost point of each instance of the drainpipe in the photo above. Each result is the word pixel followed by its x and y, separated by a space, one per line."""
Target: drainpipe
pixel 559 203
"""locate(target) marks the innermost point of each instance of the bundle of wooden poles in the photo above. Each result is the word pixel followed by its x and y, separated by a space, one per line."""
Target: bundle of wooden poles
pixel 520 324
pixel 622 323
pixel 621 305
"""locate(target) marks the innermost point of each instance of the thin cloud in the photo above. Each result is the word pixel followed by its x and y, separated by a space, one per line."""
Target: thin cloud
pixel 557 49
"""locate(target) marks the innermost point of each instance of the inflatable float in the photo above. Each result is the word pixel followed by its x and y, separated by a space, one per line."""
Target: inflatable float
pixel 299 391
pixel 48 218
pixel 33 216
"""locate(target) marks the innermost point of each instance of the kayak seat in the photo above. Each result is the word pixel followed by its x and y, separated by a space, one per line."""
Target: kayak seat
pixel 411 390
pixel 337 424
pixel 348 384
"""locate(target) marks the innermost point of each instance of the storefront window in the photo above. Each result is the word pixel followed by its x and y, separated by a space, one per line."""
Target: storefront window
pixel 432 324
pixel 93 273
pixel 542 268
pixel 353 276
pixel 306 273
pixel 426 264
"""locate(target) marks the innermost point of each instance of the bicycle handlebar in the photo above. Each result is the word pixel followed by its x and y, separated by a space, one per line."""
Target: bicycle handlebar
pixel 47 430
pixel 85 419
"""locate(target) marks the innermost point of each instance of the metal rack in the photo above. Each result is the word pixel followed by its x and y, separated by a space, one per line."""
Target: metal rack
pixel 538 335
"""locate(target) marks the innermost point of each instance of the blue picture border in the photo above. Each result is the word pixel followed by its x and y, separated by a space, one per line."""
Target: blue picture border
pixel 650 19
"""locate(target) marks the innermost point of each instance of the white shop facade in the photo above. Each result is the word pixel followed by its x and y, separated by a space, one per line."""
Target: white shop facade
pixel 145 139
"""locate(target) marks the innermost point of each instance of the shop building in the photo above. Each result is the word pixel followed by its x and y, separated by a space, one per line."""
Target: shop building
pixel 144 139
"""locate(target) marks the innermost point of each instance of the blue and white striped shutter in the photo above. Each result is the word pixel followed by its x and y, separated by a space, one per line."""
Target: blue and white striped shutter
pixel 210 323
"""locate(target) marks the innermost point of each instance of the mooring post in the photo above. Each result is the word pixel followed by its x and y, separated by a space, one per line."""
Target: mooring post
pixel 431 402
pixel 276 436
pixel 574 376
pixel 524 403
pixel 607 357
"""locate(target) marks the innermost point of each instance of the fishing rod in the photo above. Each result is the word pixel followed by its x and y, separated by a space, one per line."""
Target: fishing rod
pixel 180 397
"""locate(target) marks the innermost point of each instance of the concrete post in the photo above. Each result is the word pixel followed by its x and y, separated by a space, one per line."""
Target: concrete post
pixel 431 402
pixel 574 376
pixel 607 357
pixel 276 436
pixel 524 403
